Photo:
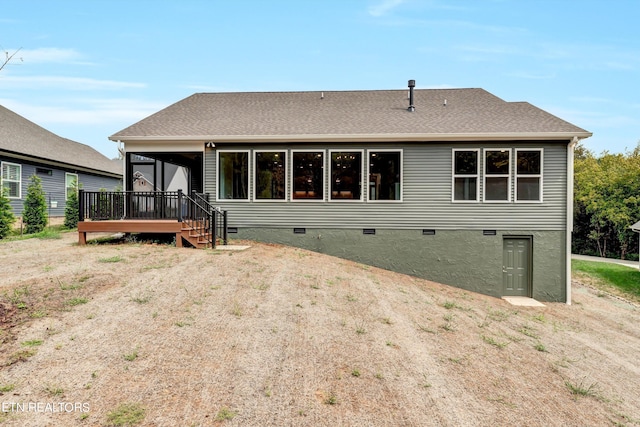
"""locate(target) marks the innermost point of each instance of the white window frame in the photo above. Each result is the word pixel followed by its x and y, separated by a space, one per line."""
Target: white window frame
pixel 249 178
pixel 19 181
pixel 66 188
pixel 539 176
pixel 363 185
pixel 255 176
pixel 368 172
pixel 479 165
pixel 486 175
pixel 324 175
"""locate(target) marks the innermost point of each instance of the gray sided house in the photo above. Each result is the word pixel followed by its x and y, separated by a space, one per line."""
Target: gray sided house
pixel 453 185
pixel 27 149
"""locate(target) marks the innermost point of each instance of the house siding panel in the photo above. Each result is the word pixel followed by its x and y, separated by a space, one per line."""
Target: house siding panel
pixel 427 182
pixel 54 185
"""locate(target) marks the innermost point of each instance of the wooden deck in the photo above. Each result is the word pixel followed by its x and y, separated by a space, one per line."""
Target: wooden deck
pixel 130 226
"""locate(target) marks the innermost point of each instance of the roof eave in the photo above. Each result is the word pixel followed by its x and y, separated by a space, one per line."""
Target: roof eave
pixel 405 137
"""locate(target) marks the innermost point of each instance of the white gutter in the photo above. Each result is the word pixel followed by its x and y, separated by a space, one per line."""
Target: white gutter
pixel 397 137
pixel 570 151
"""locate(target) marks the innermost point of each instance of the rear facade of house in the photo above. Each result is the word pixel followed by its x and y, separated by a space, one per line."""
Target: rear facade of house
pixel 455 186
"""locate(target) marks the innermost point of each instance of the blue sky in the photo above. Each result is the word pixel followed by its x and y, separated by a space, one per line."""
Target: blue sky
pixel 87 69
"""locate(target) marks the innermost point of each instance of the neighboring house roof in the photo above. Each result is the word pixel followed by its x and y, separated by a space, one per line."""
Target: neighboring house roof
pixel 440 114
pixel 636 227
pixel 23 138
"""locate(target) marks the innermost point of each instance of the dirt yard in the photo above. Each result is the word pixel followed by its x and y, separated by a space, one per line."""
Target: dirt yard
pixel 278 336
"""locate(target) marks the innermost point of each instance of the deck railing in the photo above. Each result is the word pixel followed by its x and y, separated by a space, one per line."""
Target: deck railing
pixel 196 210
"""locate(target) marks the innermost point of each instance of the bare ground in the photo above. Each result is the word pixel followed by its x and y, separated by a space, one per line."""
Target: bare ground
pixel 281 336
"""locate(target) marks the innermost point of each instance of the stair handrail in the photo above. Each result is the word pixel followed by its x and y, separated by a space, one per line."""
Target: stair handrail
pixel 218 213
pixel 207 215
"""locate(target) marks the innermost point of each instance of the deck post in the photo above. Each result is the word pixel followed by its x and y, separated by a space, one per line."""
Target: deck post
pixel 179 205
pixel 80 205
pixel 224 227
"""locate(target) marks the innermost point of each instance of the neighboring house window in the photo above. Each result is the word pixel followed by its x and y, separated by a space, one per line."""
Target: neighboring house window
pixel 233 175
pixel 529 175
pixel 385 175
pixel 12 180
pixel 497 176
pixel 346 175
pixel 307 170
pixel 465 175
pixel 71 181
pixel 270 175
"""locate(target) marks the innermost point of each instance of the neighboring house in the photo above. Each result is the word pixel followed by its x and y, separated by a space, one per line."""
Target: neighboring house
pixel 27 149
pixel 636 227
pixel 453 185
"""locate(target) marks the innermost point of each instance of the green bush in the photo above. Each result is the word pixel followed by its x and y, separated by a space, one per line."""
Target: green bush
pixel 35 207
pixel 72 207
pixel 6 215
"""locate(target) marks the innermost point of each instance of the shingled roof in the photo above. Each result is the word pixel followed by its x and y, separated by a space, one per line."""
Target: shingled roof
pixel 19 136
pixel 440 114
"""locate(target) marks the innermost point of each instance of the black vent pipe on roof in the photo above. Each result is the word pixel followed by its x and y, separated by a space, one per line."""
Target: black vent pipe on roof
pixel 412 84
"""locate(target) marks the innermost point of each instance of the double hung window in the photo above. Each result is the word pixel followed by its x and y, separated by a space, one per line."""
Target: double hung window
pixel 497 175
pixel 71 184
pixel 465 175
pixel 11 180
pixel 529 175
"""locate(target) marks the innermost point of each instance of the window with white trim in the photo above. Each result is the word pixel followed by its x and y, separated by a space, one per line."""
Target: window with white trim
pixel 233 175
pixel 11 180
pixel 71 184
pixel 385 175
pixel 307 174
pixel 529 175
pixel 466 167
pixel 497 175
pixel 346 175
pixel 270 175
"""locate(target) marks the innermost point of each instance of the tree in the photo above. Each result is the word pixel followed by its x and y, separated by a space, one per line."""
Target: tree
pixel 7 58
pixel 35 207
pixel 6 215
pixel 607 203
pixel 72 207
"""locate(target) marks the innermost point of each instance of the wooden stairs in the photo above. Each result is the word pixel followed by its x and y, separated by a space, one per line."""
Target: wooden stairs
pixel 197 234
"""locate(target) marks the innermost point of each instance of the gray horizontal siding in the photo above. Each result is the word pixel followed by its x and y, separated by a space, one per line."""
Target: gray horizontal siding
pixel 427 181
pixel 54 185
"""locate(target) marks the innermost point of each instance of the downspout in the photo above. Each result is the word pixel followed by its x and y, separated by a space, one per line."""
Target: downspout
pixel 570 151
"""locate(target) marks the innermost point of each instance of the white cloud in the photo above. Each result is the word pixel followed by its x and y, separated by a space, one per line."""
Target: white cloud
pixel 48 55
pixel 85 111
pixel 384 7
pixel 66 83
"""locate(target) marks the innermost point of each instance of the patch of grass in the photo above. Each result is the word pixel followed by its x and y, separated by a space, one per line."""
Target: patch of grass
pixel 581 389
pixel 225 414
pixel 331 399
pixel 54 391
pixel 624 278
pixel 127 414
pixel 38 314
pixel 141 299
pixel 115 258
pixel 351 298
pixel 494 342
pixel 7 388
pixel 32 343
pixel 236 310
pixel 528 331
pixel 449 305
pixel 355 372
pixel 77 301
pixel 131 356
pixel 540 347
pixel 21 356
